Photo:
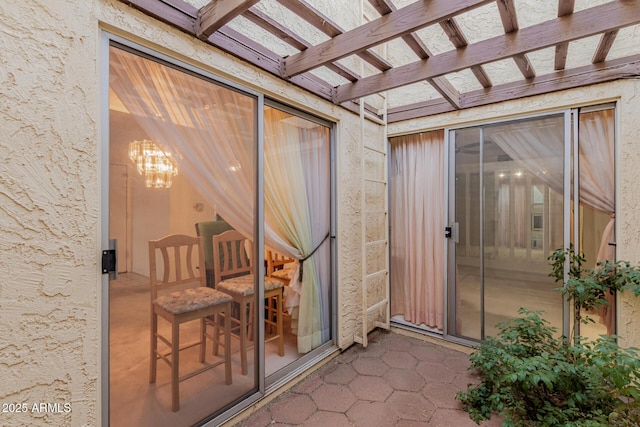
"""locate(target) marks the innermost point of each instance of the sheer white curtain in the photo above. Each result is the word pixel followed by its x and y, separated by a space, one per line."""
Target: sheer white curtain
pixel 537 146
pixel 597 185
pixel 596 162
pixel 417 224
pixel 209 130
pixel 297 202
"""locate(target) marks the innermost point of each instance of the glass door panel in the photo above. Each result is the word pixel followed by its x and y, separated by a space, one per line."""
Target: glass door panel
pixel 297 178
pixel 596 215
pixel 468 266
pixel 508 193
pixel 188 149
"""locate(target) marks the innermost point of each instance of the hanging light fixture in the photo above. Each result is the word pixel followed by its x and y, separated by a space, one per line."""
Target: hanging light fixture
pixel 156 165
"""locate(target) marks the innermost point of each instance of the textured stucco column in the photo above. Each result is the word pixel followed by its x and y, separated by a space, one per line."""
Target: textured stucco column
pixel 50 213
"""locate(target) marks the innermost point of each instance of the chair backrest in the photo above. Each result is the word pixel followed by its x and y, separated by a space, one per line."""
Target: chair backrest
pixel 206 230
pixel 276 261
pixel 229 251
pixel 182 262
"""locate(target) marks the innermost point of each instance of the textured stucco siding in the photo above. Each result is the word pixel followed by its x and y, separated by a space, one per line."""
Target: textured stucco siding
pixel 627 95
pixel 50 187
pixel 49 212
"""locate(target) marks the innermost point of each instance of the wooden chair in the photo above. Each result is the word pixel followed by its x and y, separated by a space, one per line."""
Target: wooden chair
pixel 190 299
pixel 280 267
pixel 207 229
pixel 233 276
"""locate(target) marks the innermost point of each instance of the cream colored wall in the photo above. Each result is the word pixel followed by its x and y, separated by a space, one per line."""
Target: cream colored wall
pixel 50 211
pixel 626 93
pixel 50 187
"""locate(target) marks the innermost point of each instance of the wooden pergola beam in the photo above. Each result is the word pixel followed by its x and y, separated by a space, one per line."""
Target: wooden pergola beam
pixel 283 33
pixel 393 25
pixel 458 39
pixel 440 84
pixel 217 13
pixel 509 20
pixel 327 26
pixel 565 7
pixel 560 80
pixel 599 19
pixel 606 41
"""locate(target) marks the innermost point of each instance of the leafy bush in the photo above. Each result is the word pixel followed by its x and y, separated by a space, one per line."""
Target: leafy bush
pixel 531 376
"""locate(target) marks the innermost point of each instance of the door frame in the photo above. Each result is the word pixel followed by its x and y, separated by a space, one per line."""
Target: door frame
pixel 570 143
pixel 265 385
pixel 106 41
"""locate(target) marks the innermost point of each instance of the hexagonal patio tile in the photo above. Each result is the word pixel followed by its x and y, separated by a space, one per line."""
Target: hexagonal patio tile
pixel 397 343
pixel 458 363
pixel 372 414
pixel 333 397
pixel 347 357
pixel 370 388
pixel 309 384
pixel 262 418
pixel 442 395
pixel 374 349
pixel 292 408
pixel 404 380
pixel 463 379
pixel 435 372
pixel 451 417
pixel 370 366
pixel 325 418
pixel 427 353
pixel 340 374
pixel 399 359
pixel 411 406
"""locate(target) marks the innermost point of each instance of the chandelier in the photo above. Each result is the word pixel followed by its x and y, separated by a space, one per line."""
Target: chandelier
pixel 156 165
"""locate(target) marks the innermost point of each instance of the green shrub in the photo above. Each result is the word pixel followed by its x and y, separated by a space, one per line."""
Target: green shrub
pixel 531 376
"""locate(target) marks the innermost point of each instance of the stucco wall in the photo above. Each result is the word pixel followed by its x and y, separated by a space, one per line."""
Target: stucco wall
pixel 626 93
pixel 50 211
pixel 50 187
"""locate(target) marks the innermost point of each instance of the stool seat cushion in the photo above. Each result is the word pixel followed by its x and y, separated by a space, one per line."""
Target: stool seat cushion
pixel 191 299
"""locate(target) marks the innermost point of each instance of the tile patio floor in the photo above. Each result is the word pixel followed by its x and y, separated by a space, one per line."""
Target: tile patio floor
pixel 400 380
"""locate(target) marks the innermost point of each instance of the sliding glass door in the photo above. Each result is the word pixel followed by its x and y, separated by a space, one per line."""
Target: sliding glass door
pixel 182 159
pixel 519 190
pixel 191 158
pixel 506 213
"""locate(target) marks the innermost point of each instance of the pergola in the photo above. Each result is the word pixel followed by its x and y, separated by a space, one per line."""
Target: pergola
pixel 456 71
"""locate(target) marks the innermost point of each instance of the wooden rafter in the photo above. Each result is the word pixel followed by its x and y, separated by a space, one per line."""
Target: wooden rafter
pixel 264 21
pixel 456 36
pixel 606 41
pixel 440 84
pixel 565 7
pixel 605 20
pixel 183 16
pixel 327 26
pixel 559 80
pixel 588 22
pixel 217 13
pixel 510 23
pixel 393 25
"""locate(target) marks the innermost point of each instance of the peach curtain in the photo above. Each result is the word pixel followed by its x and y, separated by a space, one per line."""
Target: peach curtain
pixel 417 228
